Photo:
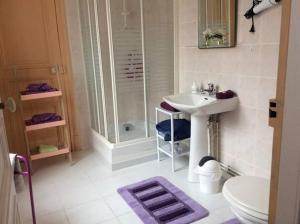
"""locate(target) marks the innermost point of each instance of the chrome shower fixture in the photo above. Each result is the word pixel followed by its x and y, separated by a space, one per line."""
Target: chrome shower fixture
pixel 125 13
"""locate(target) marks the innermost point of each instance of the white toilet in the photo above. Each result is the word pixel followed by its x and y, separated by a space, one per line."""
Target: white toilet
pixel 249 198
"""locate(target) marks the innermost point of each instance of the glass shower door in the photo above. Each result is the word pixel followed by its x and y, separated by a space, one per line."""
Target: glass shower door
pixel 159 54
pixel 92 64
pixel 128 63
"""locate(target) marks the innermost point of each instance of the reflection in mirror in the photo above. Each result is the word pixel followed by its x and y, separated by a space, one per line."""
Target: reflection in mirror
pixel 217 23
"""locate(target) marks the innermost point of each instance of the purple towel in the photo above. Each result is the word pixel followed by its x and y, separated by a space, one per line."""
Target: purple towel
pixel 168 107
pixel 38 88
pixel 225 95
pixel 43 118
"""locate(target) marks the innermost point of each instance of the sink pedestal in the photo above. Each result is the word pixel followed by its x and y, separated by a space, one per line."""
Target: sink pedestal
pixel 198 145
pixel 200 106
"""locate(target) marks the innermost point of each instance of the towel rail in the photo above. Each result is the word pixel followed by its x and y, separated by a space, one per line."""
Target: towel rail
pixel 172 146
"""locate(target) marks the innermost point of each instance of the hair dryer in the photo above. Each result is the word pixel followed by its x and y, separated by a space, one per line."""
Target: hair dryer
pixel 260 6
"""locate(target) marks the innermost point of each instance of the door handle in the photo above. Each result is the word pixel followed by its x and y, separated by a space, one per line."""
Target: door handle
pixel 10 105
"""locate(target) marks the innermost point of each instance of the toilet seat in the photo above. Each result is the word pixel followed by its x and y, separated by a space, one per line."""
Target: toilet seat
pixel 249 197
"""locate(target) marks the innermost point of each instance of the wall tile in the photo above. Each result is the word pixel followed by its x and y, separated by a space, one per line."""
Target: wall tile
pixel 188 34
pixel 266 90
pixel 270 28
pixel 263 153
pixel 188 10
pixel 243 6
pixel 243 35
pixel 249 60
pixel 262 127
pixel 269 60
pixel 247 91
pixel 228 142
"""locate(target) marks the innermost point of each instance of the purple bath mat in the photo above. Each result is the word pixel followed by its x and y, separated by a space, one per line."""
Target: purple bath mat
pixel 157 201
pixel 232 221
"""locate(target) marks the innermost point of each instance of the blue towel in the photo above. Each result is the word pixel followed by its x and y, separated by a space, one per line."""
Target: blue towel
pixel 182 129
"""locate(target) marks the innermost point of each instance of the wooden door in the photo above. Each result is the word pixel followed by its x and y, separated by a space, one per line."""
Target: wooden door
pixel 278 109
pixel 8 204
pixel 32 41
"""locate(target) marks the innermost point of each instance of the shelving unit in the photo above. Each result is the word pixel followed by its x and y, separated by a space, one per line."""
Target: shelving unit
pixel 37 97
pixel 45 125
pixel 172 148
pixel 49 154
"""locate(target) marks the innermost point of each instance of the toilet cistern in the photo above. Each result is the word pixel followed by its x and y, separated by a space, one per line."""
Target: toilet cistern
pixel 200 106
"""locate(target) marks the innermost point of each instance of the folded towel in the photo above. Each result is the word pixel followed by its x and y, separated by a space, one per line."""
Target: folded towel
pixel 47 148
pixel 168 107
pixel 38 88
pixel 225 95
pixel 182 129
pixel 43 118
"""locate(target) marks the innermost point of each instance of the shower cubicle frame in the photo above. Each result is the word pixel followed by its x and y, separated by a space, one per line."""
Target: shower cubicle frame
pixel 103 114
pixel 101 71
pixel 113 71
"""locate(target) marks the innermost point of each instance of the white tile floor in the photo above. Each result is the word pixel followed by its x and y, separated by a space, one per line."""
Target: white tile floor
pixel 85 193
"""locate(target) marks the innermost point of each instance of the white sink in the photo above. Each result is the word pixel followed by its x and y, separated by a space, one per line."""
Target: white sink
pixel 200 107
pixel 199 104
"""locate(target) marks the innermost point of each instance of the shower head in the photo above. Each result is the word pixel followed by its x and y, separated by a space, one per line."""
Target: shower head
pixel 125 13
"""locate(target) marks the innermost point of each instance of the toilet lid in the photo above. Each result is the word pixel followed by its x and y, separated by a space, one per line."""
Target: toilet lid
pixel 251 193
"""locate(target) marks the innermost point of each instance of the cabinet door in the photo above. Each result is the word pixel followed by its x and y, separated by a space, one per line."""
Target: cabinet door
pixel 8 206
pixel 30 45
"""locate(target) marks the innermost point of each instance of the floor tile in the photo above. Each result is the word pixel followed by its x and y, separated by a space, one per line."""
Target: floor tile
pixel 110 185
pixel 76 193
pixel 224 213
pixel 53 218
pixel 111 221
pixel 47 204
pixel 130 217
pixel 75 196
pixel 90 213
pixel 117 204
pixel 209 220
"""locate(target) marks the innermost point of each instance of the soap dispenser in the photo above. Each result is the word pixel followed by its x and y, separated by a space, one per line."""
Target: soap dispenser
pixel 194 88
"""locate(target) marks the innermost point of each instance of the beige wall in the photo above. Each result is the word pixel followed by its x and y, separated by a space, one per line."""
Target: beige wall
pixel 78 67
pixel 250 69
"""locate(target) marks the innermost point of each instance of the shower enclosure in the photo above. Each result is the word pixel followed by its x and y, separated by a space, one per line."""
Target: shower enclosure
pixel 129 59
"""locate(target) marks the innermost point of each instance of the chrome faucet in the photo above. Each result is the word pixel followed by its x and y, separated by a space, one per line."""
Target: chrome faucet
pixel 211 89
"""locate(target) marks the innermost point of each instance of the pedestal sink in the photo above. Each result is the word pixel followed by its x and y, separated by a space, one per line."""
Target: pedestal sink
pixel 200 106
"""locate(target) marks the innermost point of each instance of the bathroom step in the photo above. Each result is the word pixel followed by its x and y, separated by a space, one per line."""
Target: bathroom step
pixel 50 154
pixel 37 96
pixel 45 125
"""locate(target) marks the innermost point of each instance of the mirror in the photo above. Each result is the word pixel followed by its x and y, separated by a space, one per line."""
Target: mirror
pixel 216 23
